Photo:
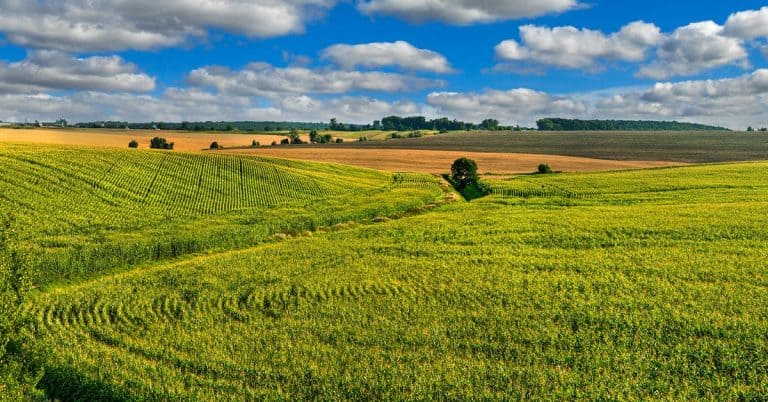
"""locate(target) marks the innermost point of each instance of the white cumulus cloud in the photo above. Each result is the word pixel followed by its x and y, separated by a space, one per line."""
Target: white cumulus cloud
pixel 570 47
pixel 53 70
pixel 516 106
pixel 464 12
pixel 109 25
pixel 695 48
pixel 382 54
pixel 262 79
pixel 748 24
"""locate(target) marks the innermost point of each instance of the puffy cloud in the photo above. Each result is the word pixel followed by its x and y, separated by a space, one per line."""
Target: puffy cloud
pixel 464 12
pixel 748 24
pixel 102 25
pixel 177 104
pixel 261 79
pixel 570 47
pixel 733 102
pixel 695 48
pixel 382 54
pixel 52 70
pixel 517 106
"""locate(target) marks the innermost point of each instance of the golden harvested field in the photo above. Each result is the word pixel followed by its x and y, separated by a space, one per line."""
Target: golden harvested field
pixel 426 161
pixel 395 160
pixel 184 141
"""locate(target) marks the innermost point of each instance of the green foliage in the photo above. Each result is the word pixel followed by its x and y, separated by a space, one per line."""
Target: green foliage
pixel 215 145
pixel 160 143
pixel 552 124
pixel 19 372
pixel 133 144
pixel 285 141
pixel 339 140
pixel 295 138
pixel 82 212
pixel 255 144
pixel 464 172
pixel 641 285
pixel 544 168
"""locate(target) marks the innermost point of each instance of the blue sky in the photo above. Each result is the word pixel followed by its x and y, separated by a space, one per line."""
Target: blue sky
pixel 359 60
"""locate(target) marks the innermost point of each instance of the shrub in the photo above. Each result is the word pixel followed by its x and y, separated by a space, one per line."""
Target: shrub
pixel 339 140
pixel 544 168
pixel 464 172
pixel 362 139
pixel 160 143
pixel 133 144
pixel 274 143
pixel 215 145
pixel 415 134
pixel 255 144
pixel 285 141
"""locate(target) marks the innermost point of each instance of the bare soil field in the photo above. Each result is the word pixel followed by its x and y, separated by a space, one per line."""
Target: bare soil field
pixel 429 161
pixel 183 141
pixel 672 146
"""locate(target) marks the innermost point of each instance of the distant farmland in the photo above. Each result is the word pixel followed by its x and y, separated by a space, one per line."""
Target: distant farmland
pixel 688 147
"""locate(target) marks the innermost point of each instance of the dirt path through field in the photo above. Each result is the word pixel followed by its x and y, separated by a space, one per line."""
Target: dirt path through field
pixel 424 161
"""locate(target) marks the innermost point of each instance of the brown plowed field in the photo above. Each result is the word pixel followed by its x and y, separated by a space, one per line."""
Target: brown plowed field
pixel 425 161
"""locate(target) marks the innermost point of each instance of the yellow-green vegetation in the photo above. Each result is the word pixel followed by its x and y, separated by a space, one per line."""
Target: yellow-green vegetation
pixel 82 211
pixel 614 286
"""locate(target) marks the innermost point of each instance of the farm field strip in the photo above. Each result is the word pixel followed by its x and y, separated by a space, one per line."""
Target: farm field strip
pixel 437 161
pixel 82 208
pixel 540 295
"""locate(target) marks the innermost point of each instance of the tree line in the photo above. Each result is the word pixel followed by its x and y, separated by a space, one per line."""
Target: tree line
pixel 555 124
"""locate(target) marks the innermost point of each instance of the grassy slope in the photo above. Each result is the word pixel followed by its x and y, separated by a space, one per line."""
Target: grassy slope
pixel 83 210
pixel 690 147
pixel 626 285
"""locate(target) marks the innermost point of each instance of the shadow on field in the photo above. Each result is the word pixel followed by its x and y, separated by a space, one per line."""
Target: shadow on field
pixel 67 384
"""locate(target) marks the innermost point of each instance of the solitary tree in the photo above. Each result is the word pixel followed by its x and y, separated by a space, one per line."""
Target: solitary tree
pixel 313 136
pixel 133 144
pixel 464 172
pixel 215 145
pixel 544 168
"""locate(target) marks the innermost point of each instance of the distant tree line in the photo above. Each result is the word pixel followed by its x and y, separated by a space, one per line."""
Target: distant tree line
pixel 554 124
pixel 253 126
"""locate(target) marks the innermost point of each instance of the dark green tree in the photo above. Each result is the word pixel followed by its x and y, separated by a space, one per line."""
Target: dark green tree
pixel 215 145
pixel 133 144
pixel 160 143
pixel 464 172
pixel 294 137
pixel 544 168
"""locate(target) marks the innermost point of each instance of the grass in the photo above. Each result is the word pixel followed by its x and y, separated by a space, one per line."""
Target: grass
pixel 688 147
pixel 622 286
pixel 83 211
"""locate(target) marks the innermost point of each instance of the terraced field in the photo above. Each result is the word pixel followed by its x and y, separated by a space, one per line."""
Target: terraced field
pixel 84 209
pixel 623 286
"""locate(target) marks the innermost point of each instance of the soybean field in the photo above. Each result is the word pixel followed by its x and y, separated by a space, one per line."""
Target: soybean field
pixel 634 285
pixel 83 210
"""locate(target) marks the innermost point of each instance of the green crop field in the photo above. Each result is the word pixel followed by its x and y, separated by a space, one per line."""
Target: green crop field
pixel 635 285
pixel 84 210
